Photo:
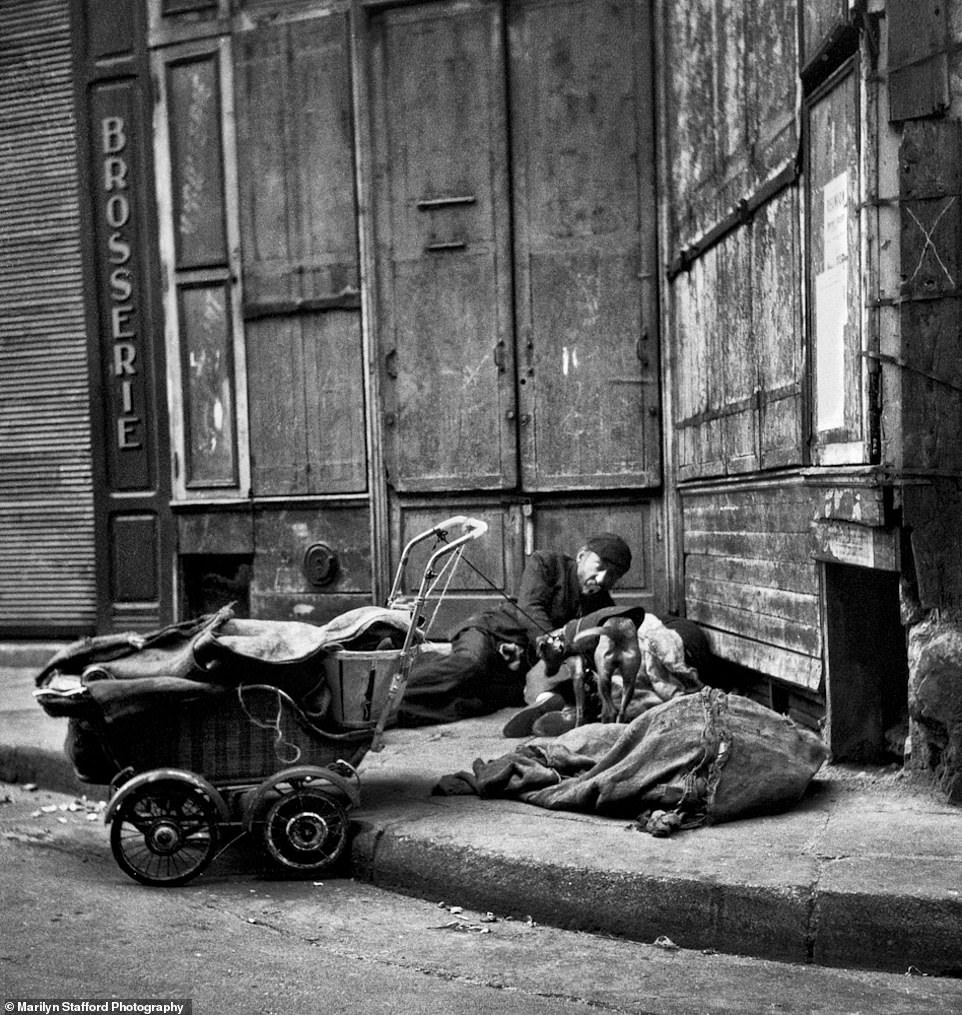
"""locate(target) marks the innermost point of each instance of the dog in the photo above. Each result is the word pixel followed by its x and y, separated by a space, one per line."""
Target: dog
pixel 607 650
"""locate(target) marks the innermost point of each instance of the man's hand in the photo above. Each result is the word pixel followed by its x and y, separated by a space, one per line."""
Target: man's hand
pixel 512 654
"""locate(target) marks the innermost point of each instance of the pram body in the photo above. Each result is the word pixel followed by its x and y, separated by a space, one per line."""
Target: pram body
pixel 237 744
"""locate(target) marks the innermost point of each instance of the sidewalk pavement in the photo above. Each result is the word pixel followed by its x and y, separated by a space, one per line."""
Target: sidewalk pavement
pixel 865 872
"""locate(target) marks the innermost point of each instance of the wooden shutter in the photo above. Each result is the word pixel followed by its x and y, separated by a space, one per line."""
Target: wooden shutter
pixel 47 561
pixel 738 384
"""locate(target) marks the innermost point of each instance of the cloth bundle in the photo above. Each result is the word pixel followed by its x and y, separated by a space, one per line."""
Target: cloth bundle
pixel 699 758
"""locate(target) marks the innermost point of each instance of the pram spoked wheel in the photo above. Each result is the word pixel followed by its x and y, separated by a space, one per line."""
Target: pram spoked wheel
pixel 164 828
pixel 306 827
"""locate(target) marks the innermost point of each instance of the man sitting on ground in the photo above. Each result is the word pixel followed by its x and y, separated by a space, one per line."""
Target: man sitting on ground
pixel 492 651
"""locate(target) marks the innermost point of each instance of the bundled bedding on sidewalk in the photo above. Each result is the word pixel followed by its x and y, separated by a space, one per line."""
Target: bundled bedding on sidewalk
pixel 699 758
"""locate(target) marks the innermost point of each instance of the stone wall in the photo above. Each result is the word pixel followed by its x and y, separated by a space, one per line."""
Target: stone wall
pixel 935 699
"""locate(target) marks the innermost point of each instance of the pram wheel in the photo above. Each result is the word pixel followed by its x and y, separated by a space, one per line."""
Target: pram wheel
pixel 306 828
pixel 164 832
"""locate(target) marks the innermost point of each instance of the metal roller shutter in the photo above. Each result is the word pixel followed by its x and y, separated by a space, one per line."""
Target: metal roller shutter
pixel 47 558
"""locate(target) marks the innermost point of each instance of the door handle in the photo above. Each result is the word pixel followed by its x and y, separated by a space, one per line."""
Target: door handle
pixel 390 364
pixel 427 203
pixel 440 247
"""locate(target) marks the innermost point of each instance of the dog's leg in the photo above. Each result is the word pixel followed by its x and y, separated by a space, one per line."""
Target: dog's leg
pixel 630 665
pixel 606 662
pixel 577 665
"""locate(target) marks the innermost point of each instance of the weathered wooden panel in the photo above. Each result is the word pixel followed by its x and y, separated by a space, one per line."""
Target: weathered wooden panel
pixel 730 74
pixel 793 667
pixel 732 148
pixel 689 133
pixel 758 544
pixel 766 604
pixel 772 74
pixel 446 397
pixel 275 386
pixel 760 622
pixel 931 385
pixel 112 33
pixel 134 558
pixel 737 363
pixel 591 390
pixel 749 571
pixel 863 505
pixel 216 532
pixel 779 507
pixel 295 161
pixel 717 381
pixel 485 553
pixel 279 586
pixel 918 80
pixel 208 386
pixel 473 583
pixel 194 110
pixel 929 181
pixel 737 329
pixel 334 397
pixel 696 376
pixel 306 404
pixel 798 575
pixel 933 512
pixel 442 244
pixel 777 326
pixel 819 19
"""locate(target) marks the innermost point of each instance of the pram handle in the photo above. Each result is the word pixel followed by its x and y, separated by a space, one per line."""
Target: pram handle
pixel 471 528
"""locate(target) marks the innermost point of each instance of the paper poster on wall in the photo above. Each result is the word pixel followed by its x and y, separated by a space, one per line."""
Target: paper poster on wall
pixel 831 307
pixel 831 314
pixel 835 221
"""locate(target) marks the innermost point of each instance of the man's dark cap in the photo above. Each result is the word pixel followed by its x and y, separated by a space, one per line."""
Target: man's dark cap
pixel 612 550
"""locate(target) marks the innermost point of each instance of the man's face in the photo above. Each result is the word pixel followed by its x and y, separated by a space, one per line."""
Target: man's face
pixel 594 575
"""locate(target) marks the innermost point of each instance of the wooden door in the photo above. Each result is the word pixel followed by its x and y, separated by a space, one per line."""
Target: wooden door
pixel 299 237
pixel 515 263
pixel 443 247
pixel 582 143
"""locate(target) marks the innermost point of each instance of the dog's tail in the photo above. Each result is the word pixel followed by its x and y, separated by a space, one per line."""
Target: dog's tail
pixel 589 634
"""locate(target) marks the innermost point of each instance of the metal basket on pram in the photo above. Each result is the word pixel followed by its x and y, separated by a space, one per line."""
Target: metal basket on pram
pixel 256 746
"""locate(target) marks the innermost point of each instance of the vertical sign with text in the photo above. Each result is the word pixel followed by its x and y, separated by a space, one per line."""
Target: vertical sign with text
pixel 116 140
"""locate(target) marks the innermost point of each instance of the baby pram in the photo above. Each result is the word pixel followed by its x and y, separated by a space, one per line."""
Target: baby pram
pixel 225 743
